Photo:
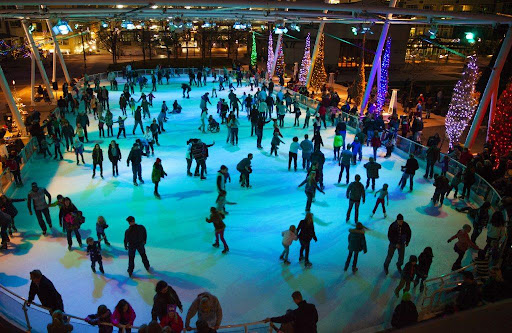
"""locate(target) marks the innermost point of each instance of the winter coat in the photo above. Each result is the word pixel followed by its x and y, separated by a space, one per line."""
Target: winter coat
pixel 68 131
pixel 161 301
pixel 423 266
pixel 213 317
pixel 355 191
pixel 97 156
pixel 135 156
pixel 346 157
pixel 304 318
pixel 79 147
pixel 47 294
pixel 372 169
pixel 307 148
pixel 464 242
pixel 408 272
pixel 59 327
pixel 73 220
pixel 125 318
pixel 39 198
pixel 216 219
pixel 158 173
pixel 135 236
pixel 100 228
pixel 405 314
pixel 114 153
pixel 411 166
pixel 356 242
pixel 338 141
pixel 198 151
pixel 243 164
pixel 433 154
pixel 9 208
pixel 399 234
pixel 94 251
pixel 82 119
pixel 94 319
pixel 176 324
pixel 288 237
pixel 306 232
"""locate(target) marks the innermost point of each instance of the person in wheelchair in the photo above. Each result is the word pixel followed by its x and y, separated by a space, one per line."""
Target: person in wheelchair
pixel 213 125
pixel 176 108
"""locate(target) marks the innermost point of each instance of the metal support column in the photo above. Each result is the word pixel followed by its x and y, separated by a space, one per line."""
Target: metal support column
pixel 54 69
pixel 39 63
pixel 315 51
pixel 276 54
pixel 376 59
pixel 494 79
pixel 11 102
pixel 32 79
pixel 492 109
pixel 59 53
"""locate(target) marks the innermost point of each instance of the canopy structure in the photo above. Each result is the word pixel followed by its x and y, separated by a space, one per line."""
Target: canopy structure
pixel 269 11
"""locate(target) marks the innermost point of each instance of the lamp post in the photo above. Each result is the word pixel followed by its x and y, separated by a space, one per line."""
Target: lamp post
pixel 83 48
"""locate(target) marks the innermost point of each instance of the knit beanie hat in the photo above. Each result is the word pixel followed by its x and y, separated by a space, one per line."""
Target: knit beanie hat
pixel 406 297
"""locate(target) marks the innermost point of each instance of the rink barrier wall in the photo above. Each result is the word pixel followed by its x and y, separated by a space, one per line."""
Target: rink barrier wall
pixel 35 318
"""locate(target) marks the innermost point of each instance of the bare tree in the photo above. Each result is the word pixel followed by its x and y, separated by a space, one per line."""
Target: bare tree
pixel 109 40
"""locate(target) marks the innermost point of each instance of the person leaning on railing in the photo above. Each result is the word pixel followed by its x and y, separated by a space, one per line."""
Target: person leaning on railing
pixel 44 289
pixel 304 318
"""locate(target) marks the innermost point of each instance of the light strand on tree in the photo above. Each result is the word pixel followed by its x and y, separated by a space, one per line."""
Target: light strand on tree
pixel 254 55
pixel 382 88
pixel 500 132
pixel 306 62
pixel 280 65
pixel 463 104
pixel 270 57
pixel 319 75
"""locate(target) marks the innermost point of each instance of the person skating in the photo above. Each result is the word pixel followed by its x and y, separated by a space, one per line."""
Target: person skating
pixel 308 116
pixel 245 169
pixel 135 157
pixel 6 205
pixel 345 161
pixel 307 149
pixel 94 252
pixel 157 175
pixel 208 310
pixel 356 244
pixel 399 236
pixel 165 296
pixel 148 142
pixel 72 222
pixel 274 145
pixel 441 184
pixel 68 133
pixel 83 119
pixel 462 245
pixel 383 196
pixel 114 155
pixel 372 172
pixel 216 218
pixel 408 274
pixel 38 196
pixel 155 130
pixel 317 141
pixel 135 239
pixel 405 313
pixel 199 151
pixel 310 189
pixel 13 163
pixel 355 192
pixel 409 171
pixel 306 232
pixel 259 129
pixel 101 225
pixel 162 117
pixel 44 289
pixel 5 222
pixel 433 156
pixel 304 318
pixel 122 128
pixel 97 159
pixel 292 154
pixel 289 236
pixel 138 121
pixel 57 142
pixel 423 267
pixel 375 143
pixel 337 144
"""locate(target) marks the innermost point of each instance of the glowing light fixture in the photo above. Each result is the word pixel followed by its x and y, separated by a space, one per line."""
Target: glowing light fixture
pixel 62 28
pixel 295 26
pixel 280 30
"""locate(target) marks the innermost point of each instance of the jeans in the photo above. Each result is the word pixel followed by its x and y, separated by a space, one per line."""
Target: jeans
pixel 94 168
pixel 306 122
pixel 131 257
pixel 161 125
pixel 403 282
pixel 310 196
pixel 200 164
pixel 57 151
pixel 234 136
pixel 220 234
pixel 429 171
pixel 285 253
pixel 304 245
pixel 379 201
pixel 39 215
pixel 137 171
pixel 375 153
pixel 17 176
pixel 189 165
pixel 259 135
pixel 403 181
pixel 337 153
pixel 121 130
pixel 391 252
pixel 292 156
pixel 349 257
pixel 457 263
pixel 306 161
pixel 115 169
pixel 101 131
pixel 138 122
pixel 244 177
pixel 77 235
pixel 69 141
pixel 110 131
pixel 273 149
pixel 356 210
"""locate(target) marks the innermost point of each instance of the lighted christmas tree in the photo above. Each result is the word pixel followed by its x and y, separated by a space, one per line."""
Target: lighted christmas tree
pixel 357 87
pixel 463 104
pixel 270 58
pixel 254 55
pixel 306 62
pixel 280 65
pixel 500 132
pixel 382 87
pixel 319 75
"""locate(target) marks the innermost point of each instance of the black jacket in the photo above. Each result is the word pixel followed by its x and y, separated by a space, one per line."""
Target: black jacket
pixel 306 232
pixel 411 166
pixel 111 156
pixel 161 301
pixel 135 236
pixel 399 235
pixel 48 295
pixel 405 314
pixel 304 318
pixel 135 156
pixel 97 156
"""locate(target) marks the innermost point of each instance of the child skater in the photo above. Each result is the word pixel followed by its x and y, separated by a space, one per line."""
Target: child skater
pixel 216 218
pixel 424 262
pixel 275 144
pixel 289 236
pixel 383 196
pixel 407 275
pixel 101 225
pixel 94 251
pixel 222 202
pixel 356 244
pixel 296 110
pixel 454 183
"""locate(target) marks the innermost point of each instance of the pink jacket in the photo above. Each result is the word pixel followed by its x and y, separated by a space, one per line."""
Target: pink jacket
pixel 124 319
pixel 464 241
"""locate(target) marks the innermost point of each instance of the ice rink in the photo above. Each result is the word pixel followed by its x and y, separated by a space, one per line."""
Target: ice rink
pixel 250 281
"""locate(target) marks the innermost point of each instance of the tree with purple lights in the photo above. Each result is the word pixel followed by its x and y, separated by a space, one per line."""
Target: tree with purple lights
pixel 280 65
pixel 270 58
pixel 306 62
pixel 382 87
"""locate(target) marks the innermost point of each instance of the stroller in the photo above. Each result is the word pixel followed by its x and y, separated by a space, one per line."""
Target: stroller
pixel 213 125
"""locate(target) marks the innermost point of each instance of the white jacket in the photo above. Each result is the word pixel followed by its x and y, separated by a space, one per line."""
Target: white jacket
pixel 288 237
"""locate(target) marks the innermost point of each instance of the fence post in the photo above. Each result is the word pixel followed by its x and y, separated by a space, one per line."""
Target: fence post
pixel 25 311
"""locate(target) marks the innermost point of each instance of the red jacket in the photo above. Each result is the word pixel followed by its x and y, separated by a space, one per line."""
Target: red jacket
pixel 322 110
pixel 175 324
pixel 376 142
pixel 465 157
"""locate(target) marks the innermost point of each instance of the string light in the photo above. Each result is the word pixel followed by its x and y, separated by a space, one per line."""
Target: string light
pixel 463 104
pixel 306 62
pixel 280 65
pixel 382 87
pixel 270 58
pixel 254 54
pixel 500 132
pixel 319 75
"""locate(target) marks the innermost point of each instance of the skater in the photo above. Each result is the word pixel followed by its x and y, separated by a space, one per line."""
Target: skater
pixel 310 189
pixel 154 129
pixel 423 266
pixel 83 120
pixel 101 225
pixel 103 315
pixel 433 156
pixel 337 144
pixel 308 116
pixel 165 296
pixel 233 124
pixel 292 154
pixel 372 172
pixel 375 143
pixel 205 100
pixel 68 133
pixel 245 169
pixel 13 163
pixel 274 145
pixel 97 159
pixel 454 183
pixel 6 206
pixel 135 157
pixel 138 121
pixel 78 146
pixel 123 316
pixel 72 221
pixel 307 148
pixel 199 151
pixel 399 235
pixel 480 217
pixel 355 192
pixel 383 196
pixel 306 232
pixel 216 218
pixel 409 170
pixel 304 318
pixel 56 147
pixel 441 183
pixel 356 244
pixel 289 236
pixel 5 222
pixel 317 141
pixel 38 195
pixel 157 174
pixel 114 155
pixel 345 160
pixel 162 117
pixel 204 116
pixel 94 252
pixel 80 133
pixel 208 310
pixel 44 289
pixel 462 245
pixel 296 110
pixel 135 239
pixel 408 274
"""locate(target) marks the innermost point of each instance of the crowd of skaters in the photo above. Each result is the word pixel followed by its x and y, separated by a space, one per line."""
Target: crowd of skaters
pixel 372 131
